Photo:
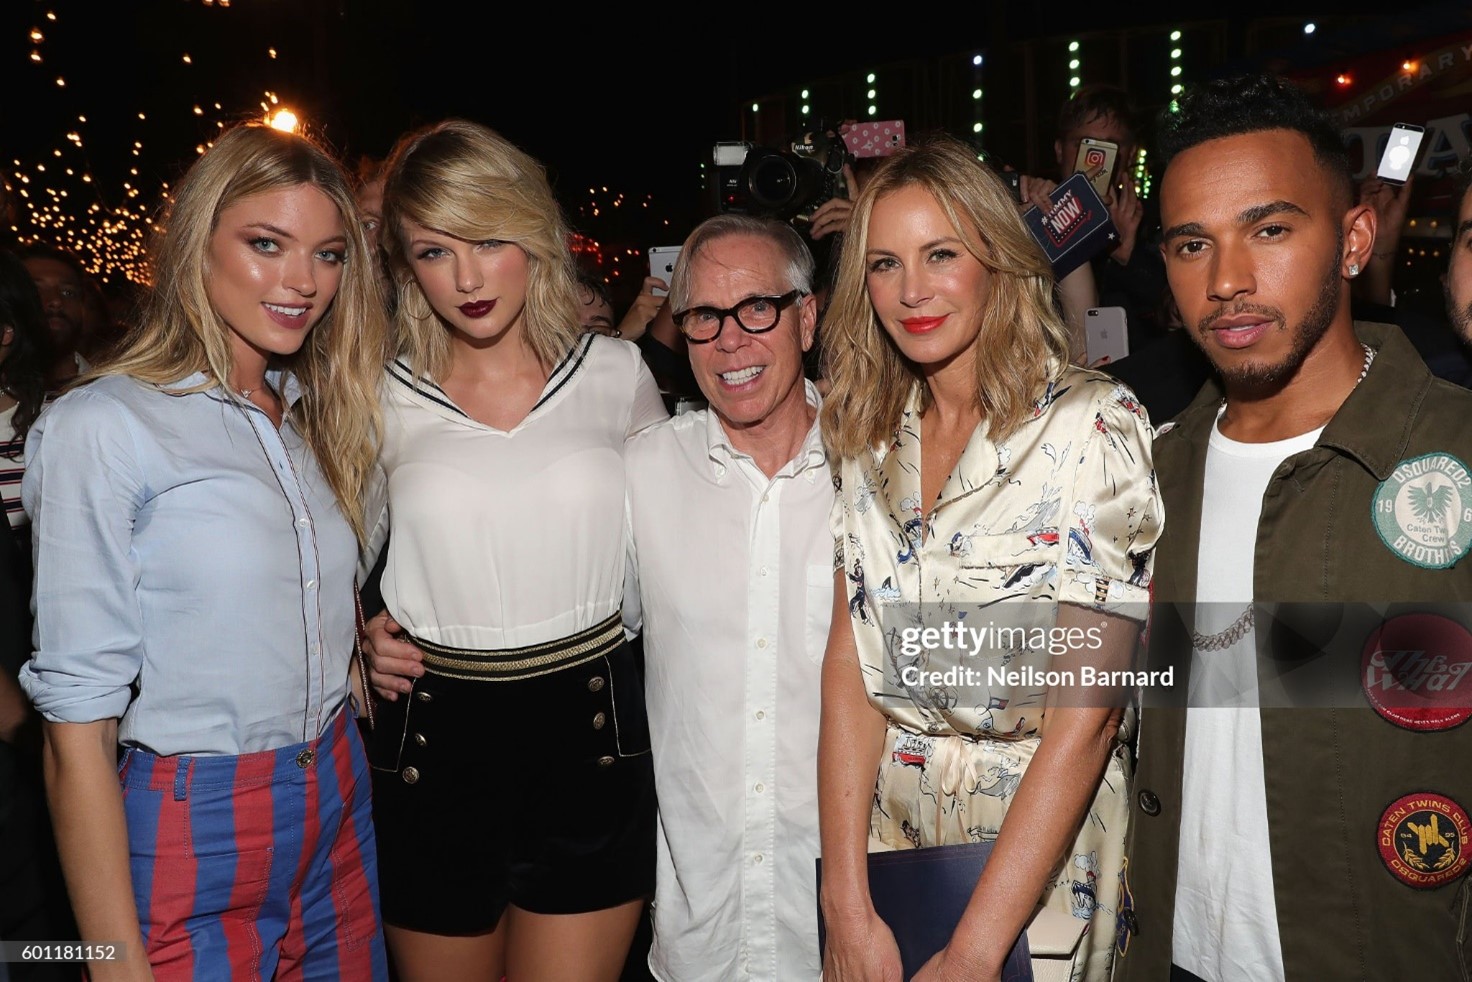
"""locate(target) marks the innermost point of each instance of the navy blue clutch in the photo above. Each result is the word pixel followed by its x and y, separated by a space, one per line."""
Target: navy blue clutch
pixel 921 894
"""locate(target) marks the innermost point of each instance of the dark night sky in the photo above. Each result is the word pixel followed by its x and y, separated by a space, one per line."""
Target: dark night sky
pixel 620 100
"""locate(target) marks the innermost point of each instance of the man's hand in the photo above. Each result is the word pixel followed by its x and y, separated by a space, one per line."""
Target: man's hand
pixel 392 664
pixel 646 305
pixel 832 216
pixel 1035 191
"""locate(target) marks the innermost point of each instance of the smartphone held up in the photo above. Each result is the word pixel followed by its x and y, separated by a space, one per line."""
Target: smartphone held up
pixel 662 265
pixel 1096 157
pixel 1399 157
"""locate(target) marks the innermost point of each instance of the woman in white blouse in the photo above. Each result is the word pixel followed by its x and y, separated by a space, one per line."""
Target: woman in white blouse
pixel 990 491
pixel 515 798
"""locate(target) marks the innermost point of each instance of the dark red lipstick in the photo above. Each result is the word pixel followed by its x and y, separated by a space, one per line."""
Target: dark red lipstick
pixel 478 308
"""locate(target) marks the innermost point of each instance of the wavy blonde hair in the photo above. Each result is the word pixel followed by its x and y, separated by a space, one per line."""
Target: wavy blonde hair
pixel 1023 341
pixel 461 179
pixel 179 333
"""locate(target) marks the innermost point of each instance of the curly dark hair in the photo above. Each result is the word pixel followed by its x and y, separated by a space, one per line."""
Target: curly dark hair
pixel 24 369
pixel 1252 104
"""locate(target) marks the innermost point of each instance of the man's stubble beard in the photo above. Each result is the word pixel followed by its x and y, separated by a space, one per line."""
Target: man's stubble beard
pixel 1306 335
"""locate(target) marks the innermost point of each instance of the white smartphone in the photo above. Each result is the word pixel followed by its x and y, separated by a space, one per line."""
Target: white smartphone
pixel 662 264
pixel 1106 334
pixel 1400 153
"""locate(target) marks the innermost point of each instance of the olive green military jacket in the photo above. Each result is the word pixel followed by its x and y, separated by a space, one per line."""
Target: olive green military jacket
pixel 1347 789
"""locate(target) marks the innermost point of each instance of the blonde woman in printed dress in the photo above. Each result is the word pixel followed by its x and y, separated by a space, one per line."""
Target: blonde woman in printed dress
pixel 984 483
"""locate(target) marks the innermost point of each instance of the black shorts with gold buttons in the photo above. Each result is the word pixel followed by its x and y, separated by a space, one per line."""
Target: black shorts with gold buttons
pixel 514 777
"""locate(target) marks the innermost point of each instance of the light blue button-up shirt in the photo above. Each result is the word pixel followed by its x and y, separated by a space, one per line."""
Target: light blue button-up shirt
pixel 194 575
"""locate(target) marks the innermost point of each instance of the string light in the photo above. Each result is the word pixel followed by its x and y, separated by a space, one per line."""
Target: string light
pixel 976 97
pixel 1175 65
pixel 105 230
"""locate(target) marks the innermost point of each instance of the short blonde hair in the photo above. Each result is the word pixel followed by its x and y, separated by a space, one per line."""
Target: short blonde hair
pixel 339 366
pixel 464 180
pixel 799 271
pixel 1023 341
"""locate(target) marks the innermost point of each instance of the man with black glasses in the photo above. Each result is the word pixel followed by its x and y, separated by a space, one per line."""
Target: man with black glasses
pixel 728 509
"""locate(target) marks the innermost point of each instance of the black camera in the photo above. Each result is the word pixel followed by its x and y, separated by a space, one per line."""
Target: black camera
pixel 789 184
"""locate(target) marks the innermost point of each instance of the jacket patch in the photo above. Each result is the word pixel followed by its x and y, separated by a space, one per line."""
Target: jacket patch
pixel 1414 671
pixel 1423 839
pixel 1423 511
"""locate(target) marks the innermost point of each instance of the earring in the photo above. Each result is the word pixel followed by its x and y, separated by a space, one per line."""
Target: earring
pixel 1354 270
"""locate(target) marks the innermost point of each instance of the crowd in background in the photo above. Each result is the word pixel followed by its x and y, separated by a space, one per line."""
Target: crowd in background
pixel 562 543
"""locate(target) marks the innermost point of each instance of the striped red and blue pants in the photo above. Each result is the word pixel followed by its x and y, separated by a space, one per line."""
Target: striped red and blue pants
pixel 259 866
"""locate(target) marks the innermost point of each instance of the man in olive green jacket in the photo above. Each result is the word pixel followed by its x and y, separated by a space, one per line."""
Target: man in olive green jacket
pixel 1328 467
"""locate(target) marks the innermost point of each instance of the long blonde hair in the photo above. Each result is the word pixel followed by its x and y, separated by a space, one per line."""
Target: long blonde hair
pixel 1022 343
pixel 339 366
pixel 464 180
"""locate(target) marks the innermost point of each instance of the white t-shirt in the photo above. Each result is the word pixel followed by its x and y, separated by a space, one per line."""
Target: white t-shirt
pixel 1226 920
pixel 736 574
pixel 503 539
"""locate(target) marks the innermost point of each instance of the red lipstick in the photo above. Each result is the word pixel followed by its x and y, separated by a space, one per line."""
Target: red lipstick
pixel 922 325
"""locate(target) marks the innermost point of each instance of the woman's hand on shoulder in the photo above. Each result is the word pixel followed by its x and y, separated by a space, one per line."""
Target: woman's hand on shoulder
pixel 392 664
pixel 865 953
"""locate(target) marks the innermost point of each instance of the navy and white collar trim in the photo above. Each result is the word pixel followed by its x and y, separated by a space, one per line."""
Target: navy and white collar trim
pixel 426 388
pixel 566 369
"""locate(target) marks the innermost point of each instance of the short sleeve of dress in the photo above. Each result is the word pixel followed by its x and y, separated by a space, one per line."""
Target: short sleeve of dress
pixel 1116 513
pixel 835 521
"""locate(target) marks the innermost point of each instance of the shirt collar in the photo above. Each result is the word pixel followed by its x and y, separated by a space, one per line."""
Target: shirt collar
pixel 1374 424
pixel 1392 390
pixel 281 380
pixel 722 454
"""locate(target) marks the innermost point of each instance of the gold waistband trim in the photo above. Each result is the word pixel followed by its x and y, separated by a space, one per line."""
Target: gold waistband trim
pixel 510 664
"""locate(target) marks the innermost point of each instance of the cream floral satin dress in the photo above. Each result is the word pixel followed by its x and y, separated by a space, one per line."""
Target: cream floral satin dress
pixel 1066 509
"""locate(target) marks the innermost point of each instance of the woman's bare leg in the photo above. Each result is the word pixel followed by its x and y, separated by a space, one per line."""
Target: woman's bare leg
pixel 422 957
pixel 587 947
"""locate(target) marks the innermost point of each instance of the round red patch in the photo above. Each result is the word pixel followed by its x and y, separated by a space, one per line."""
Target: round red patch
pixel 1423 839
pixel 1417 671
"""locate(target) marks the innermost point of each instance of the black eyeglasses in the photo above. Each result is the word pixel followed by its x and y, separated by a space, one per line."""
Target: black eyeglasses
pixel 754 315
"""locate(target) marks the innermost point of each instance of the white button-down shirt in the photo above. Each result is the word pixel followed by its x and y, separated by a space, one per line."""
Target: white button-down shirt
pixel 735 572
